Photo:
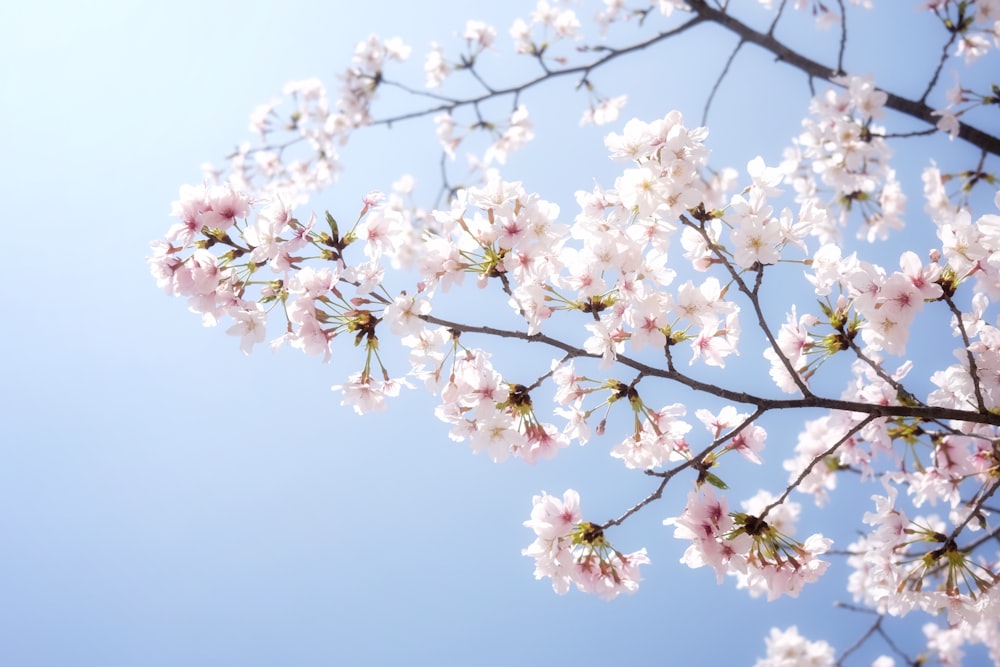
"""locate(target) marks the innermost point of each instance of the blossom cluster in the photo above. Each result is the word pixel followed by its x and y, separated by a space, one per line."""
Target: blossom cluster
pixel 272 168
pixel 571 551
pixel 755 545
pixel 667 259
pixel 840 162
pixel 617 270
pixel 787 648
pixel 912 563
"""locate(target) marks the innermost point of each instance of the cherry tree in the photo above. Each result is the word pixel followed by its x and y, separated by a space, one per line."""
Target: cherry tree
pixel 682 314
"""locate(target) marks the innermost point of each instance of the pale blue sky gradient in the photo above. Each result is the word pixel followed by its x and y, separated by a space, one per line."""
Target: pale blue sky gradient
pixel 166 501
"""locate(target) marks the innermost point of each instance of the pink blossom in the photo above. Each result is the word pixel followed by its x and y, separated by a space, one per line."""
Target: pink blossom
pixel 365 394
pixel 786 648
pixel 249 326
pixel 552 518
pixel 604 112
pixel 225 205
pixel 404 313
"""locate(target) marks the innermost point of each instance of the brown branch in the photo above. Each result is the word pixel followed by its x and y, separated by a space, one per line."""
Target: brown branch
pixel 718 82
pixel 973 368
pixel 978 542
pixel 975 510
pixel 930 413
pixel 653 497
pixel 816 460
pixel 940 66
pixel 694 461
pixel 843 36
pixel 916 109
pixel 861 640
pixel 880 372
pixel 751 295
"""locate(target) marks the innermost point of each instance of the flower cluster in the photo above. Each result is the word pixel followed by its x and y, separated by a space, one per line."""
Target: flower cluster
pixel 611 263
pixel 843 147
pixel 300 133
pixel 760 553
pixel 977 28
pixel 664 260
pixel 547 24
pixel 905 564
pixel 495 417
pixel 571 551
pixel 787 648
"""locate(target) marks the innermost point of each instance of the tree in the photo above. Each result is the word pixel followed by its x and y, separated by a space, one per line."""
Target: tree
pixel 629 314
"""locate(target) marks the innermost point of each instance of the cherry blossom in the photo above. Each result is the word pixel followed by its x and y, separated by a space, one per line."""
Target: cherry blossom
pixel 786 648
pixel 666 259
pixel 571 551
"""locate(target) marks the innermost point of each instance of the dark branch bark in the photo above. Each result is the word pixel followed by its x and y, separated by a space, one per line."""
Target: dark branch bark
pixel 918 110
pixel 926 412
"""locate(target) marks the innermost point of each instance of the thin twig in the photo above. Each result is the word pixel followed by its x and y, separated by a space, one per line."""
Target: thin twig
pixel 718 82
pixel 547 76
pixel 843 37
pixel 940 66
pixel 816 460
pixel 861 640
pixel 754 301
pixel 973 368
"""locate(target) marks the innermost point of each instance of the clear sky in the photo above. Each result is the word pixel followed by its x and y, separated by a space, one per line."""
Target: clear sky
pixel 165 500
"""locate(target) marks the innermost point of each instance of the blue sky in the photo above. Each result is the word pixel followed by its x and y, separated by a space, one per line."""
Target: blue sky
pixel 165 500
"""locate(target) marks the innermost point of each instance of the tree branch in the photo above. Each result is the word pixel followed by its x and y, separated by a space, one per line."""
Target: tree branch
pixel 916 109
pixel 930 412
